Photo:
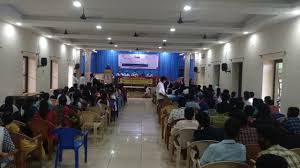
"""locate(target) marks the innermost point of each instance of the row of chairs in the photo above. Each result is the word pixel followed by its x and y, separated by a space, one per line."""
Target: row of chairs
pixel 183 139
pixel 94 118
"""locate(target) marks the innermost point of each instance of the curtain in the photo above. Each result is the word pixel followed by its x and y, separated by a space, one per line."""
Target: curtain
pixel 169 63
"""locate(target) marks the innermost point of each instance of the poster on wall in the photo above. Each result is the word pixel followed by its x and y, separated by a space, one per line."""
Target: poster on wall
pixel 138 61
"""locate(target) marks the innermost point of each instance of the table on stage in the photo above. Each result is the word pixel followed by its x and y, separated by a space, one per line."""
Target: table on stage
pixel 137 82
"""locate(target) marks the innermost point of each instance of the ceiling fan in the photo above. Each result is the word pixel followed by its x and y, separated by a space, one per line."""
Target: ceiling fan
pixel 181 21
pixel 84 17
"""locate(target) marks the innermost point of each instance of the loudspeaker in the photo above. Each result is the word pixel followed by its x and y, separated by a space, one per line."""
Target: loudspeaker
pixel 195 69
pixel 77 66
pixel 224 67
pixel 43 61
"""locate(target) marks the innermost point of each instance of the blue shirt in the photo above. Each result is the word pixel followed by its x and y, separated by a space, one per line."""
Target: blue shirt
pixel 192 104
pixel 226 150
pixel 292 124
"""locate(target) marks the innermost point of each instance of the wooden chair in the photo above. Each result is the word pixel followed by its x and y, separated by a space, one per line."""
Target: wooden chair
pixel 252 152
pixel 44 128
pixel 195 151
pixel 180 139
pixel 296 150
pixel 23 153
pixel 168 131
pixel 91 120
pixel 160 106
pixel 224 164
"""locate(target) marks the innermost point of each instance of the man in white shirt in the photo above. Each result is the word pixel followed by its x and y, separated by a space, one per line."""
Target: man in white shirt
pixel 160 89
pixel 75 79
pixel 82 80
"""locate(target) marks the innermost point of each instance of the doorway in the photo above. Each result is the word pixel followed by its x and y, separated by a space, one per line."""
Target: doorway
pixel 202 76
pixel 216 75
pixel 237 77
pixel 277 81
pixel 272 79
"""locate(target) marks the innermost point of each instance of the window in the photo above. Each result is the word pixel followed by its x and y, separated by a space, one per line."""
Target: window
pixel 53 75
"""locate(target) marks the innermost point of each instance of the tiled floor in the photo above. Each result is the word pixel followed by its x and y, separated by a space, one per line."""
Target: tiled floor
pixel 132 142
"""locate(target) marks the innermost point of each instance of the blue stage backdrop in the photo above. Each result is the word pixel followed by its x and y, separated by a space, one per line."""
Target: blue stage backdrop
pixel 169 63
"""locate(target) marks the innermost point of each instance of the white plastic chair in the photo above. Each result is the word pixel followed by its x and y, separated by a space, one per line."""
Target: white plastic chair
pixel 224 164
pixel 180 139
pixel 194 148
pixel 90 122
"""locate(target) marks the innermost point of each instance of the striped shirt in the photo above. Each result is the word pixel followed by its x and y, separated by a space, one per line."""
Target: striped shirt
pixel 292 158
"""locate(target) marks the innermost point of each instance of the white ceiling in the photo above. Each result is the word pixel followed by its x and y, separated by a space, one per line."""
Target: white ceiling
pixel 152 19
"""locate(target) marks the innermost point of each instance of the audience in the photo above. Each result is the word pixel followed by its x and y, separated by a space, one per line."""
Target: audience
pixel 292 123
pixel 179 112
pixel 188 122
pixel 269 139
pixel 205 131
pixel 228 149
pixel 7 146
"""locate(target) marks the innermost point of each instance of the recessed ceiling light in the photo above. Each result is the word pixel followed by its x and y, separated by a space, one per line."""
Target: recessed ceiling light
pixel 205 48
pixel 187 8
pixel 116 45
pixel 77 4
pixel 172 29
pixel 195 52
pixel 99 27
pixel 159 47
pixel 245 32
pixel 19 24
pixel 108 38
pixel 295 12
pixel 164 41
pixel 221 42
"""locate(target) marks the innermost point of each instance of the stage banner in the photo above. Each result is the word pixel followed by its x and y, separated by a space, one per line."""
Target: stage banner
pixel 136 81
pixel 138 61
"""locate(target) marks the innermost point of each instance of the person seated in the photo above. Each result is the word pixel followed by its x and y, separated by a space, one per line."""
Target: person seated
pixel 271 161
pixel 7 146
pixel 147 93
pixel 191 102
pixel 119 74
pixel 269 139
pixel 61 113
pixel 28 110
pixel 224 106
pixel 274 109
pixel 134 74
pixel 9 109
pixel 203 103
pixel 247 134
pixel 188 121
pixel 205 130
pixel 228 149
pixel 178 113
pixel 43 110
pixel 292 123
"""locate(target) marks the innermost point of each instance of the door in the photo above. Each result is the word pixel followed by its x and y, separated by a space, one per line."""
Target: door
pixel 277 81
pixel 237 77
pixel 216 75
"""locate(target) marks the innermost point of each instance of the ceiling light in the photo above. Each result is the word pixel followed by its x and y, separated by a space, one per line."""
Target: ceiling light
pixel 221 42
pixel 205 48
pixel 116 45
pixel 77 4
pixel 108 38
pixel 49 36
pixel 187 8
pixel 245 32
pixel 68 44
pixel 164 41
pixel 195 52
pixel 99 27
pixel 159 47
pixel 19 24
pixel 295 12
pixel 172 29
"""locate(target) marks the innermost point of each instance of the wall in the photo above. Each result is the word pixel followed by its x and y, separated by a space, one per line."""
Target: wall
pixel 247 49
pixel 13 40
